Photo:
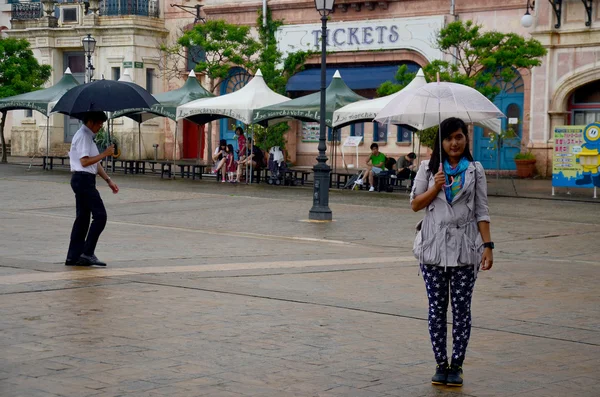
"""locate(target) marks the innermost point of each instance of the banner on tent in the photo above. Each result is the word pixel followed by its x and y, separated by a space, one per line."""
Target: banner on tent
pixel 576 160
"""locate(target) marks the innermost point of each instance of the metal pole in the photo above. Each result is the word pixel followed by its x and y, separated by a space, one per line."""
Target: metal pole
pixel 175 148
pixel 47 140
pixel 139 141
pixel 320 210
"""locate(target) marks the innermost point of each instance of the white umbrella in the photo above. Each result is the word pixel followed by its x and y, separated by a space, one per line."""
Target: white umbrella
pixel 237 105
pixel 367 110
pixel 426 106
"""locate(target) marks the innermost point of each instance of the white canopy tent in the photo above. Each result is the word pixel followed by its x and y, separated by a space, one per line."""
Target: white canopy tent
pixel 362 111
pixel 237 105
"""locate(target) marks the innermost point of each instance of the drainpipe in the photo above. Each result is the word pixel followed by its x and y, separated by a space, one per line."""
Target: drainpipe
pixel 265 13
pixel 453 8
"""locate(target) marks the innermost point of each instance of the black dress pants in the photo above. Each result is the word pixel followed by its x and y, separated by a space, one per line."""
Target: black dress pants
pixel 88 205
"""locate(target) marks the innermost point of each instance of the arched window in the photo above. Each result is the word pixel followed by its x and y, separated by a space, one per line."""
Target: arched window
pixel 584 104
pixel 515 86
pixel 237 78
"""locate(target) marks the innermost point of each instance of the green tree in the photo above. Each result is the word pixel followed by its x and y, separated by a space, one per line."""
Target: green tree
pixel 478 59
pixel 276 73
pixel 224 46
pixel 20 73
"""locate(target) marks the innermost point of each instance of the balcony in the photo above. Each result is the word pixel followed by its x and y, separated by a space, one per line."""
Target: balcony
pixel 25 11
pixel 31 10
pixel 144 8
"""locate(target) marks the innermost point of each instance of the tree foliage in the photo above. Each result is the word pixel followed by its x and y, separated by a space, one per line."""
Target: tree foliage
pixel 225 45
pixel 276 74
pixel 20 73
pixel 478 59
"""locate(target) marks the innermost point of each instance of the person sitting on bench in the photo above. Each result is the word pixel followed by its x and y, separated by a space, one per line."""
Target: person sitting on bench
pixel 219 157
pixel 375 164
pixel 252 156
pixel 406 167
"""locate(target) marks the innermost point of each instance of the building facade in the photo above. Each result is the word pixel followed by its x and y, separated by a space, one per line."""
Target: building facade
pixel 128 34
pixel 367 40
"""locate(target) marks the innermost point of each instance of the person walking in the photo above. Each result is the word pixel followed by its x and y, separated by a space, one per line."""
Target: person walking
pixel 85 165
pixel 453 242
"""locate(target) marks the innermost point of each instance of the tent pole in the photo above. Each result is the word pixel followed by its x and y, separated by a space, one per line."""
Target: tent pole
pixel 175 148
pixel 139 141
pixel 47 140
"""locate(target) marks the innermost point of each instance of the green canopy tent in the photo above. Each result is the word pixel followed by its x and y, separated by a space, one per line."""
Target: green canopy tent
pixel 42 100
pixel 167 106
pixel 308 107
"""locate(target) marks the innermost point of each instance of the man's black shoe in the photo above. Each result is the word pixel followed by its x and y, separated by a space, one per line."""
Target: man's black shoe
pixel 441 373
pixel 455 376
pixel 71 262
pixel 89 260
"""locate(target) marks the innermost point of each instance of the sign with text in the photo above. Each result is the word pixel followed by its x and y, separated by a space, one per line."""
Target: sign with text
pixel 576 157
pixel 353 141
pixel 416 34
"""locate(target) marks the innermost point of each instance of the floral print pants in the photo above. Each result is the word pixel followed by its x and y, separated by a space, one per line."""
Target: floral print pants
pixel 456 283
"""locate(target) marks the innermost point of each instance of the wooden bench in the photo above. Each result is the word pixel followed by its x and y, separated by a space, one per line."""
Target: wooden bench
pixel 48 161
pixel 165 167
pixel 129 166
pixel 387 180
pixel 303 175
pixel 191 170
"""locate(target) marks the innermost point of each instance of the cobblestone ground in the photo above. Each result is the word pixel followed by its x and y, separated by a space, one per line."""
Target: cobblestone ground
pixel 215 290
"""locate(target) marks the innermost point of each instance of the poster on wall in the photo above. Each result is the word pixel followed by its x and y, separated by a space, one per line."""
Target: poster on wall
pixel 576 160
pixel 310 131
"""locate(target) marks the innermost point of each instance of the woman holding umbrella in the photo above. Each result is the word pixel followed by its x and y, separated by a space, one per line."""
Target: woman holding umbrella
pixel 453 241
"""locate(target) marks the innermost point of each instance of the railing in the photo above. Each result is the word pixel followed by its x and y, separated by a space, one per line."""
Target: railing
pixel 25 11
pixel 145 8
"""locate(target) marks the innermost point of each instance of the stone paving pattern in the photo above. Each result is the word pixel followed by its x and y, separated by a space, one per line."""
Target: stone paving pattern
pixel 219 290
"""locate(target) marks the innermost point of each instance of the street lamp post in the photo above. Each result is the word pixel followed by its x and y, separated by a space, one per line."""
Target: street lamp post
pixel 89 45
pixel 320 210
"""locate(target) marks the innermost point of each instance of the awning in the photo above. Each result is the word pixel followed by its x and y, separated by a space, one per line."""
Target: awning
pixel 357 77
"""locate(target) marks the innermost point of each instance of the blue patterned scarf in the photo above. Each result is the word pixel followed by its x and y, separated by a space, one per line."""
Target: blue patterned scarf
pixel 455 178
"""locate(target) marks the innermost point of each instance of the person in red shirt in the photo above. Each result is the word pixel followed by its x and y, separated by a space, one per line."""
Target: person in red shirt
pixel 239 132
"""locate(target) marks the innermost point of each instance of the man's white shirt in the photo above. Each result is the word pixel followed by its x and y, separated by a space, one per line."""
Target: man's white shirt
pixel 83 145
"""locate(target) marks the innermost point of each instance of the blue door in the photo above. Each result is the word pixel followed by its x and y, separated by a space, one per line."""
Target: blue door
pixel 510 102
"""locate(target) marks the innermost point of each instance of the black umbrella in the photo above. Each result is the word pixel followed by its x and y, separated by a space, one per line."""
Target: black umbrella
pixel 103 95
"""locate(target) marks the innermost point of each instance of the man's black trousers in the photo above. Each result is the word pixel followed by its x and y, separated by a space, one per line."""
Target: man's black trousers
pixel 89 205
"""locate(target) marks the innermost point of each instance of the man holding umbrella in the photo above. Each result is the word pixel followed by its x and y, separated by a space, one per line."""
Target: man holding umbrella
pixel 88 102
pixel 85 165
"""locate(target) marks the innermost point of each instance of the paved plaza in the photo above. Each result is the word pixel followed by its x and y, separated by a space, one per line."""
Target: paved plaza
pixel 221 290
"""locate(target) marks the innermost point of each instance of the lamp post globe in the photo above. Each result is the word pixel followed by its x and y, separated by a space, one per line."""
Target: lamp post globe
pixel 527 20
pixel 89 45
pixel 324 6
pixel 320 210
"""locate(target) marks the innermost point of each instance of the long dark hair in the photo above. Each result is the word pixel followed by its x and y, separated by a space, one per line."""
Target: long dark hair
pixel 447 128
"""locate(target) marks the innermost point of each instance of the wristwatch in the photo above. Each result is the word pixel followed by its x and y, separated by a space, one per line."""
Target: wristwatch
pixel 488 245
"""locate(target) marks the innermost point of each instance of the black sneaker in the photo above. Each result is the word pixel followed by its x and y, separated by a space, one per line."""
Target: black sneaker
pixel 455 376
pixel 90 260
pixel 441 373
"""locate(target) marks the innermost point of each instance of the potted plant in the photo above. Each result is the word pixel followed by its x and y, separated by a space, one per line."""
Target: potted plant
pixel 525 162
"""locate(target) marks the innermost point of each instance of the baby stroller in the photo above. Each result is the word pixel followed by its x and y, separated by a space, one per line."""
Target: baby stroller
pixel 277 167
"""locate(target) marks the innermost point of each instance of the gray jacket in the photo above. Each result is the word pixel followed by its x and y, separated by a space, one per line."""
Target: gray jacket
pixel 448 235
